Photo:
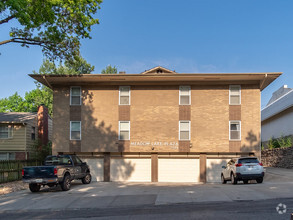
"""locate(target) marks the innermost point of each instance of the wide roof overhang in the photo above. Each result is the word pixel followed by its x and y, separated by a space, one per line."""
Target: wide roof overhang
pixel 261 79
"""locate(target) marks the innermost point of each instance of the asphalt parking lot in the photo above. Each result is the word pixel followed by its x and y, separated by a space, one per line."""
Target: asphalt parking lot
pixel 278 183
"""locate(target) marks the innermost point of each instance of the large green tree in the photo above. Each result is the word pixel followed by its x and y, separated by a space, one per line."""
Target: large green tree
pixel 57 26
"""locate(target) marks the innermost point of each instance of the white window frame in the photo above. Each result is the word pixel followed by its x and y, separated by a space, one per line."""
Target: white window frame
pixel 119 137
pixel 129 94
pixel 188 95
pixel 9 127
pixel 231 122
pixel 188 130
pixel 79 94
pixel 230 94
pixel 79 131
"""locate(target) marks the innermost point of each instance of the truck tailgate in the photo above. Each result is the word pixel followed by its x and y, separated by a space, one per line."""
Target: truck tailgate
pixel 38 172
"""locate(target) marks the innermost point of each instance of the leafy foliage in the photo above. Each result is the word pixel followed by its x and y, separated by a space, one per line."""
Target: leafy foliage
pixel 40 152
pixel 55 25
pixel 109 70
pixel 42 94
pixel 281 142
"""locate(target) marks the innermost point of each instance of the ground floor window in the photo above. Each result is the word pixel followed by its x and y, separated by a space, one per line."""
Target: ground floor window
pixel 124 130
pixel 7 156
pixel 235 130
pixel 184 130
pixel 75 130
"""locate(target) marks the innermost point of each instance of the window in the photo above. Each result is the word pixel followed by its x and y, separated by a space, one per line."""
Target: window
pixel 124 130
pixel 124 95
pixel 33 137
pixel 184 130
pixel 6 131
pixel 234 94
pixel 75 128
pixel 75 95
pixel 184 95
pixel 235 130
pixel 7 156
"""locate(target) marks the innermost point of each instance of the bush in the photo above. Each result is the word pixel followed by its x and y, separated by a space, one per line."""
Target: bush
pixel 281 142
pixel 40 152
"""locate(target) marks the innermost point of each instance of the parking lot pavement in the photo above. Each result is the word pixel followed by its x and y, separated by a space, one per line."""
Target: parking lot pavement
pixel 277 184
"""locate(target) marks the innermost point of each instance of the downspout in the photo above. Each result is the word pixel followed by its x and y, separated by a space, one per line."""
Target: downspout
pixel 44 77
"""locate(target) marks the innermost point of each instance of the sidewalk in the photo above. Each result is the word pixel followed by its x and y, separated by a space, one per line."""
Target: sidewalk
pixel 117 194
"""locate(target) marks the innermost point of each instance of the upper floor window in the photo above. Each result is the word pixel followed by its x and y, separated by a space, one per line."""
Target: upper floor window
pixel 75 130
pixel 33 137
pixel 124 130
pixel 124 95
pixel 184 130
pixel 184 95
pixel 234 94
pixel 75 95
pixel 6 131
pixel 235 130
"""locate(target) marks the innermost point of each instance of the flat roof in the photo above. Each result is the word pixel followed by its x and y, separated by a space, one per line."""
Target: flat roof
pixel 263 79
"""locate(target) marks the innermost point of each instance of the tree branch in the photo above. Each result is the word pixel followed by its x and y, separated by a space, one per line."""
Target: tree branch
pixel 24 41
pixel 7 19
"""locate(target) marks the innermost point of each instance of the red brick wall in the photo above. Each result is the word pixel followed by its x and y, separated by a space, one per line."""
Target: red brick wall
pixel 43 124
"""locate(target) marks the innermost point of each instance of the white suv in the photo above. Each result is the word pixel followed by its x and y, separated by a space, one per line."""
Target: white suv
pixel 243 169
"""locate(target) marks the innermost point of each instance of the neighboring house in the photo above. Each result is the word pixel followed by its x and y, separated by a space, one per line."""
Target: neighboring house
pixel 158 125
pixel 20 130
pixel 277 116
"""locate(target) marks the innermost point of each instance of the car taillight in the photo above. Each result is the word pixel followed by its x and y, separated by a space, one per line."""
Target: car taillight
pixel 22 172
pixel 238 165
pixel 55 171
pixel 260 164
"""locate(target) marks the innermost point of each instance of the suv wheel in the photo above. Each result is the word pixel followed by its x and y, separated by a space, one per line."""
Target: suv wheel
pixel 34 187
pixel 259 180
pixel 233 179
pixel 223 179
pixel 65 185
pixel 87 179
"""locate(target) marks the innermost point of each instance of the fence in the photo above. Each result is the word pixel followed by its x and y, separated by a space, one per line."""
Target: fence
pixel 10 170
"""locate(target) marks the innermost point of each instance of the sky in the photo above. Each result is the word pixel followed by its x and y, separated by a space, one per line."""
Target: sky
pixel 189 36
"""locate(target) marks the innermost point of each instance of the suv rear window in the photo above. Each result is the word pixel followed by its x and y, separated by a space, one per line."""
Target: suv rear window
pixel 58 160
pixel 248 160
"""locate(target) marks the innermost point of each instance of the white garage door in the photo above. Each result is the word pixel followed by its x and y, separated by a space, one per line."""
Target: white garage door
pixel 214 168
pixel 96 167
pixel 178 170
pixel 131 169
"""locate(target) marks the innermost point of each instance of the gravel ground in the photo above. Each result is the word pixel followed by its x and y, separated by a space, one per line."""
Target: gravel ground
pixel 12 187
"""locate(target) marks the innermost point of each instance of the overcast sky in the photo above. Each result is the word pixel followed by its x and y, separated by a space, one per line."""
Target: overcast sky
pixel 190 36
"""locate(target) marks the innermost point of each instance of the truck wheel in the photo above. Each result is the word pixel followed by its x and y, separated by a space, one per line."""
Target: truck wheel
pixel 87 179
pixel 34 187
pixel 233 179
pixel 65 185
pixel 259 180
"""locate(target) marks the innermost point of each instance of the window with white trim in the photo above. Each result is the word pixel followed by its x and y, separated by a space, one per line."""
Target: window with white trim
pixel 234 94
pixel 124 130
pixel 75 130
pixel 75 95
pixel 184 130
pixel 235 130
pixel 184 95
pixel 124 95
pixel 6 131
pixel 7 156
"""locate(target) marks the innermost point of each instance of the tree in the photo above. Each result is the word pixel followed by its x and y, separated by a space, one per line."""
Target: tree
pixel 57 26
pixel 109 70
pixel 77 66
pixel 43 94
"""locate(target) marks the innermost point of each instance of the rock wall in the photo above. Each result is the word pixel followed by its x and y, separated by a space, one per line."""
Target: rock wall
pixel 279 157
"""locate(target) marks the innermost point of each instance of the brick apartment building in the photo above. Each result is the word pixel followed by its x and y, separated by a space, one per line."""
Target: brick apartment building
pixel 158 125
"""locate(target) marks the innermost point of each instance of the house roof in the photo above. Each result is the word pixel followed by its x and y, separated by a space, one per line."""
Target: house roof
pixel 155 77
pixel 16 117
pixel 279 105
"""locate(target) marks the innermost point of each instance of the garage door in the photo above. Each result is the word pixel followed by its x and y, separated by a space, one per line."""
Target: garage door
pixel 97 168
pixel 130 169
pixel 214 168
pixel 178 170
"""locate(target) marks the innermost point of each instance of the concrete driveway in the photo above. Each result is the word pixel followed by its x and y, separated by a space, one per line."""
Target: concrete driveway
pixel 278 183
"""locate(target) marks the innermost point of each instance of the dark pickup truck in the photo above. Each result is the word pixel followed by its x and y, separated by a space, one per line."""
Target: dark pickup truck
pixel 61 169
